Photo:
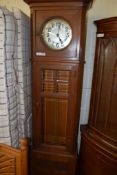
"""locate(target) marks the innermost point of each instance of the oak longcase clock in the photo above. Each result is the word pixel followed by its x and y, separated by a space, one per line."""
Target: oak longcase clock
pixel 58 42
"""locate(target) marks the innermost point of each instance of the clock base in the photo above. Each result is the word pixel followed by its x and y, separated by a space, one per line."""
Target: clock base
pixel 47 163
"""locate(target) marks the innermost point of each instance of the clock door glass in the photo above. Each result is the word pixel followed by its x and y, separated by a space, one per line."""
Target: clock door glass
pixel 57 34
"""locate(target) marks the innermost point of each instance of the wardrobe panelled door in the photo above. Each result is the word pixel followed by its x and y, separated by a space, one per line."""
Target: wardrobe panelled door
pixel 58 44
pixel 99 138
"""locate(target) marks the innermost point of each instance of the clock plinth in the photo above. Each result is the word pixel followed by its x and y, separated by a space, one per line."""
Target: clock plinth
pixel 58 35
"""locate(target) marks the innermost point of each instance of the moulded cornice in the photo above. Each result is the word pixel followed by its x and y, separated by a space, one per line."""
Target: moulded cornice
pixel 46 1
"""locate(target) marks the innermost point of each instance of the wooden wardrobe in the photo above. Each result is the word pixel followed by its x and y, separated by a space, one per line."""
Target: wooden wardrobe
pixel 98 154
pixel 56 83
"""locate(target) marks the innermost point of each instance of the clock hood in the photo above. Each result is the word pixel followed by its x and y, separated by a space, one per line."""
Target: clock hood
pixel 46 1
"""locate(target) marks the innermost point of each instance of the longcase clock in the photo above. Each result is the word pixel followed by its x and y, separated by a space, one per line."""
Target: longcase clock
pixel 58 42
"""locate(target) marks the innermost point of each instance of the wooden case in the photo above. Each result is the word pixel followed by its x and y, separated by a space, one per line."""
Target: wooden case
pixel 57 85
pixel 99 138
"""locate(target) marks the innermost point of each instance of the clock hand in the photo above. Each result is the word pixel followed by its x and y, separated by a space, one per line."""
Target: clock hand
pixel 59 28
pixel 49 33
pixel 60 40
pixel 52 33
pixel 58 36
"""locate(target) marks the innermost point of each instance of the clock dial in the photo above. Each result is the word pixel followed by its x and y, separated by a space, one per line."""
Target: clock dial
pixel 57 34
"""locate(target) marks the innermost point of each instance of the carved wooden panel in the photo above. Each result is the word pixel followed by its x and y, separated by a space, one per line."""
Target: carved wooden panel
pixel 99 137
pixel 7 164
pixel 14 161
pixel 55 111
pixel 106 88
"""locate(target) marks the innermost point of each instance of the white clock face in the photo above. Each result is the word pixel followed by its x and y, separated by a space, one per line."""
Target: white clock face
pixel 57 33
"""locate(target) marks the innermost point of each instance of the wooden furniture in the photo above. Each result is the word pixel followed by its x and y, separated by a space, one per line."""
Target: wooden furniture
pixel 98 153
pixel 57 83
pixel 14 161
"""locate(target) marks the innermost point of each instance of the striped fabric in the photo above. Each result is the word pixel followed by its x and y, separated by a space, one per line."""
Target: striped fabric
pixel 15 77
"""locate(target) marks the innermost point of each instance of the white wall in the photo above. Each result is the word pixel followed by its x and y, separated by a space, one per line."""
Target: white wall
pixel 10 4
pixel 100 9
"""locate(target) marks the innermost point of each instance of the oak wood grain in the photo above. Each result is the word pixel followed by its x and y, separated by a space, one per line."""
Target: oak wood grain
pixel 56 88
pixel 14 161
